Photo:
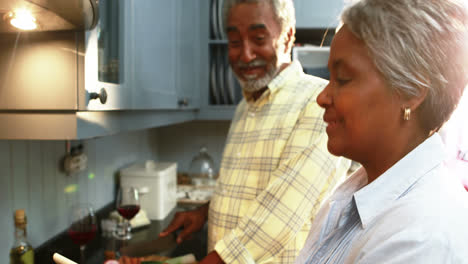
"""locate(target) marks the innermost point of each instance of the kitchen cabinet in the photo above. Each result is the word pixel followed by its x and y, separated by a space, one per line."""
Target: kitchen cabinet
pixel 152 44
pixel 188 56
pixel 156 59
pixel 220 91
pixel 143 53
pixel 318 13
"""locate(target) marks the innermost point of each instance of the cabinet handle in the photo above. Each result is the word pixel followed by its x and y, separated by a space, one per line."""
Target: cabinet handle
pixel 102 95
pixel 183 102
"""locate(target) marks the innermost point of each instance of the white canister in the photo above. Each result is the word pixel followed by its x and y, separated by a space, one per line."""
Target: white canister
pixel 157 186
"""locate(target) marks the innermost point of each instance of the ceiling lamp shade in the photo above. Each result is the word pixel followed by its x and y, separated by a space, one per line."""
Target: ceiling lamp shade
pixel 22 19
pixel 48 15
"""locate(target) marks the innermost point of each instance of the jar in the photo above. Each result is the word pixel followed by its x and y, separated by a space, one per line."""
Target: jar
pixel 201 170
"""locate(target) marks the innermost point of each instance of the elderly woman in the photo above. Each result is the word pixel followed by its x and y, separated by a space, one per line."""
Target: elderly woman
pixel 398 69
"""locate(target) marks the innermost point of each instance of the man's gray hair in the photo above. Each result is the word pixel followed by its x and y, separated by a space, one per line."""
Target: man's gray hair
pixel 283 10
pixel 417 44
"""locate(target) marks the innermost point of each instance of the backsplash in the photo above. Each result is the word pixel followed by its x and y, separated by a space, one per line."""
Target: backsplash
pixel 30 177
pixel 183 141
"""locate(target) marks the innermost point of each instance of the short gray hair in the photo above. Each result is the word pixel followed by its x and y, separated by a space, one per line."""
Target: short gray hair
pixel 417 44
pixel 283 10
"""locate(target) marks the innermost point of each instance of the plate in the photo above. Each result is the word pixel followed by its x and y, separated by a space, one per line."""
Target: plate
pixel 195 195
pixel 222 35
pixel 214 18
pixel 220 76
pixel 213 85
pixel 212 21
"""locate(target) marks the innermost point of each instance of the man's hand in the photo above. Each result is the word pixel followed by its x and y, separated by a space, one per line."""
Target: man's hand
pixel 191 221
pixel 212 258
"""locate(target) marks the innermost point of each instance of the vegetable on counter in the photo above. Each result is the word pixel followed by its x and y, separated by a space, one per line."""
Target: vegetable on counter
pixel 186 259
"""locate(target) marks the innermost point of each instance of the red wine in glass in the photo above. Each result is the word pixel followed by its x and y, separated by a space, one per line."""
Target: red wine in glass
pixel 83 226
pixel 82 237
pixel 128 205
pixel 128 211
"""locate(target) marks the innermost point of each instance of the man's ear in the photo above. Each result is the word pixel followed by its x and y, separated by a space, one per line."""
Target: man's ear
pixel 289 40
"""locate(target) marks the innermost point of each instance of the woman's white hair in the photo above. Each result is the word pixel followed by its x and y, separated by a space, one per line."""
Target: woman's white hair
pixel 417 44
pixel 283 10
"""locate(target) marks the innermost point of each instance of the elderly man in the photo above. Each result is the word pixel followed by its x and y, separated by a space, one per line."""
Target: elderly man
pixel 275 169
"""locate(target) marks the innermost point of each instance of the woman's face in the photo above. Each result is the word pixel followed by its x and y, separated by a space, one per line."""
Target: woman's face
pixel 362 114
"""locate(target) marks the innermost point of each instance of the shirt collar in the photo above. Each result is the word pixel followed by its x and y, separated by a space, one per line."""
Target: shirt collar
pixel 291 72
pixel 377 196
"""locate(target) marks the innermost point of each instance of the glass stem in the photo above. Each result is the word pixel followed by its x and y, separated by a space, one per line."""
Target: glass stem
pixel 82 254
pixel 127 225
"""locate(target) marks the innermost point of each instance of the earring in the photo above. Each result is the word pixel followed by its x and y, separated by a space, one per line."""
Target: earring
pixel 407 114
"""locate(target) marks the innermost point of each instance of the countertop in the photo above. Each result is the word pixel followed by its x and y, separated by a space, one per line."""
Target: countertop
pixel 96 248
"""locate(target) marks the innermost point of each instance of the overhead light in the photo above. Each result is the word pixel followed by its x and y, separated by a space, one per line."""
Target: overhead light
pixel 22 19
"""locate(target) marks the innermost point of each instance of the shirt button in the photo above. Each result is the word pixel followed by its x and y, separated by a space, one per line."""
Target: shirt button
pixel 238 154
pixel 251 114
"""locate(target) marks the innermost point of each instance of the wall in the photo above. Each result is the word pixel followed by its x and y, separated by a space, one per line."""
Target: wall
pixel 183 141
pixel 30 178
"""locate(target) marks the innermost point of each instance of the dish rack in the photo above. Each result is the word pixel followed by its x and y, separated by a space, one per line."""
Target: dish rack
pixel 224 86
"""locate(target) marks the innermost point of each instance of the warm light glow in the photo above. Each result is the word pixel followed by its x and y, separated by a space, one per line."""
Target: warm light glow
pixel 23 19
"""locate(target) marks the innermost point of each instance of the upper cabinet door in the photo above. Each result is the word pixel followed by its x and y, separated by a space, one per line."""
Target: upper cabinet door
pixel 152 65
pixel 106 55
pixel 143 54
pixel 137 57
pixel 318 13
pixel 188 53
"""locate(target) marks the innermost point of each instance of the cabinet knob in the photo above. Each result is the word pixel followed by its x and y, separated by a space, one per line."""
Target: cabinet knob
pixel 183 102
pixel 102 95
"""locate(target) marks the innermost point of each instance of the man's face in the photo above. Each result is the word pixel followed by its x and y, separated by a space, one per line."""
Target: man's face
pixel 253 37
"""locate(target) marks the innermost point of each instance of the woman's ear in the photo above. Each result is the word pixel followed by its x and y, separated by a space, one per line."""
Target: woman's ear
pixel 415 101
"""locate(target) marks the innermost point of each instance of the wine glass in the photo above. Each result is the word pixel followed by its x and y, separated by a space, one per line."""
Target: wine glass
pixel 128 205
pixel 83 226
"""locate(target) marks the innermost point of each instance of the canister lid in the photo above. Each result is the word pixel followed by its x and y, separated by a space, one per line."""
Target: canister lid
pixel 148 168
